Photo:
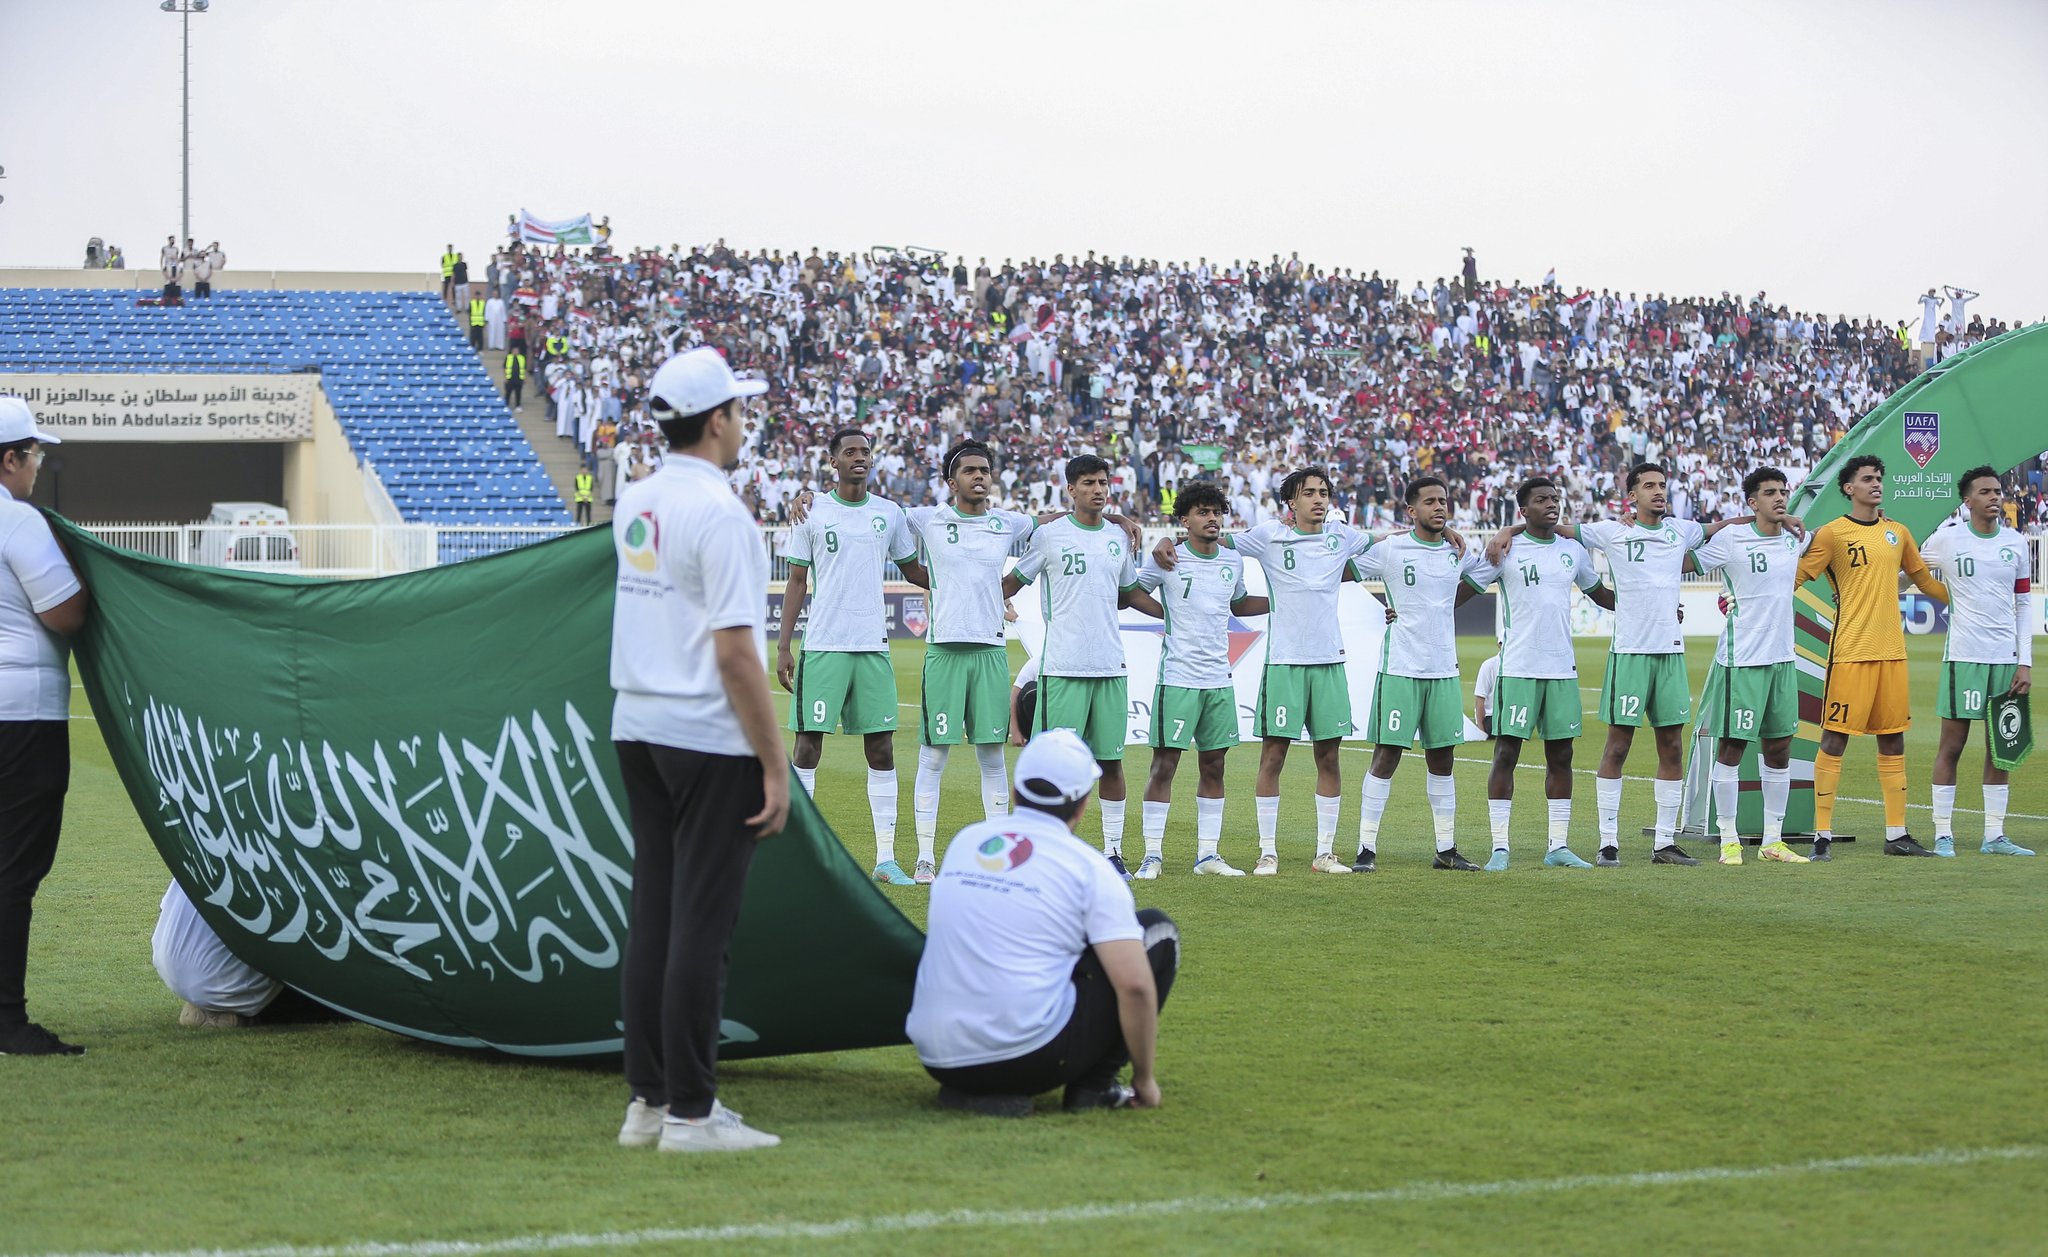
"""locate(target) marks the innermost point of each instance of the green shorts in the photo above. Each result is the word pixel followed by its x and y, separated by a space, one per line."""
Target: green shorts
pixel 1199 720
pixel 1646 690
pixel 854 691
pixel 1311 698
pixel 1968 688
pixel 1756 703
pixel 966 695
pixel 1535 707
pixel 1407 709
pixel 1097 708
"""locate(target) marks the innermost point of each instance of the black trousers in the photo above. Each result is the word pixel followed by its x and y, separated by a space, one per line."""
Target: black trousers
pixel 583 517
pixel 476 336
pixel 204 288
pixel 1089 1051
pixel 515 392
pixel 35 771
pixel 691 849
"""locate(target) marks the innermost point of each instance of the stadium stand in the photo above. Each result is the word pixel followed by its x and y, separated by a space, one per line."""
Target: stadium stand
pixel 409 392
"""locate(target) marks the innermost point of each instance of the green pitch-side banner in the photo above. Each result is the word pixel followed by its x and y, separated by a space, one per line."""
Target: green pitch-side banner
pixel 399 796
pixel 1986 405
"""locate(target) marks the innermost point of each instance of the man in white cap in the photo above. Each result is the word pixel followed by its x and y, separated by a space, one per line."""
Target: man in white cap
pixel 699 749
pixel 1038 970
pixel 42 602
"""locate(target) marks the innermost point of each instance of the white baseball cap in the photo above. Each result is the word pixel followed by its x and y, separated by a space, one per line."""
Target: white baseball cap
pixel 18 423
pixel 1060 759
pixel 695 381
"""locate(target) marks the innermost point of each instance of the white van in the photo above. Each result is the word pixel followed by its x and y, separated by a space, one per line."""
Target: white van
pixel 248 537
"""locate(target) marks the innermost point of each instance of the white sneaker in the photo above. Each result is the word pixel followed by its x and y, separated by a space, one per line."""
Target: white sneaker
pixel 1267 866
pixel 1214 865
pixel 642 1128
pixel 1328 862
pixel 723 1131
pixel 1148 868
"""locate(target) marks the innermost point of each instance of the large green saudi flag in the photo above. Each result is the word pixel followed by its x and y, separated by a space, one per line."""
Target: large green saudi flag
pixel 1986 405
pixel 399 797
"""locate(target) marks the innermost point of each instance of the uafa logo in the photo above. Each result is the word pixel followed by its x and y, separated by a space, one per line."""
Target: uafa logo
pixel 1003 852
pixel 642 542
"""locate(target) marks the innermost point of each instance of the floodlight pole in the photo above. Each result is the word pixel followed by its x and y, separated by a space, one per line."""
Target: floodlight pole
pixel 185 9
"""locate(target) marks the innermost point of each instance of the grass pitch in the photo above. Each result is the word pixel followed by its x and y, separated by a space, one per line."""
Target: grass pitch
pixel 1518 1045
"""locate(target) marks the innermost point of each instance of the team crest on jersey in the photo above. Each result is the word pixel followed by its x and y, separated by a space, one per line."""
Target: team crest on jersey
pixel 879 524
pixel 995 523
pixel 1567 559
pixel 1116 549
pixel 2007 556
pixel 1891 538
pixel 1923 435
pixel 1228 576
pixel 1332 543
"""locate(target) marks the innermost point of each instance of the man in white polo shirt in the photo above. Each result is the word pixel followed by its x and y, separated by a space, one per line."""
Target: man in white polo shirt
pixel 41 604
pixel 705 773
pixel 1038 970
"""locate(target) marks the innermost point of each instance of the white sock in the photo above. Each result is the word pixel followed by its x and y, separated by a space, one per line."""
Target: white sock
pixel 1498 812
pixel 924 797
pixel 1667 793
pixel 995 780
pixel 1153 819
pixel 1995 798
pixel 1442 793
pixel 1777 793
pixel 1945 812
pixel 1607 796
pixel 1113 826
pixel 1268 806
pixel 882 807
pixel 1372 805
pixel 1726 781
pixel 1560 823
pixel 1208 826
pixel 808 778
pixel 1326 822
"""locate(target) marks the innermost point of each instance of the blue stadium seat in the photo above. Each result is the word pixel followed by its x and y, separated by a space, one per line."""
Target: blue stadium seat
pixel 407 389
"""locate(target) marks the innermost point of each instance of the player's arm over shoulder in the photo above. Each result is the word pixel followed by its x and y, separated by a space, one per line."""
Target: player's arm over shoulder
pixel 1820 550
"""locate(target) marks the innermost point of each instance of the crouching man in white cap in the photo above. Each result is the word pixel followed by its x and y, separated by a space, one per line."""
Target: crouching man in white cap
pixel 1039 971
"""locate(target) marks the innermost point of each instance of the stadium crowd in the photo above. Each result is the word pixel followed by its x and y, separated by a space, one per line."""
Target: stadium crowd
pixel 1238 372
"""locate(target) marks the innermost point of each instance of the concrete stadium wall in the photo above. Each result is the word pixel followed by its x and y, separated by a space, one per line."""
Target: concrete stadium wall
pixel 323 482
pixel 149 279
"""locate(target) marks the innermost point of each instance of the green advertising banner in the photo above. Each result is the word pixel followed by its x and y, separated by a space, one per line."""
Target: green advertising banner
pixel 399 796
pixel 1207 457
pixel 1986 405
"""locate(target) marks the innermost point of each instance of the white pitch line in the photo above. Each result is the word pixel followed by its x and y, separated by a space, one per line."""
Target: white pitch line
pixel 1178 1210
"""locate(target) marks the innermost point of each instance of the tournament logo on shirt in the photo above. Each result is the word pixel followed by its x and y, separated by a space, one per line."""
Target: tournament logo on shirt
pixel 1003 852
pixel 643 542
pixel 1922 435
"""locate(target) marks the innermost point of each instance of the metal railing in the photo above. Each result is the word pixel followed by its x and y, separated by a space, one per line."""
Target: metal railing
pixel 336 551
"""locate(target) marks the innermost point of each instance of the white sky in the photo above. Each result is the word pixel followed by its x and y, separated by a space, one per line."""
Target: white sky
pixel 1842 154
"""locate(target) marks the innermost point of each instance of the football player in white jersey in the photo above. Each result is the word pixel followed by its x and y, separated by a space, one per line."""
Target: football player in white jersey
pixel 1303 691
pixel 1086 570
pixel 1417 696
pixel 844 678
pixel 1535 691
pixel 1194 704
pixel 1646 681
pixel 1989 573
pixel 1759 566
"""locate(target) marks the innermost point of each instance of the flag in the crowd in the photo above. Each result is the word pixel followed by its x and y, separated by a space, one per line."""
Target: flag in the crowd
pixel 580 230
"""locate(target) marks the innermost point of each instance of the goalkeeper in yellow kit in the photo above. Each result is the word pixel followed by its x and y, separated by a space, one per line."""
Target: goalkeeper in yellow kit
pixel 1863 554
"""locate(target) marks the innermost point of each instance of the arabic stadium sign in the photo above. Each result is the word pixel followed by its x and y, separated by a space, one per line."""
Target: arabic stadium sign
pixel 159 407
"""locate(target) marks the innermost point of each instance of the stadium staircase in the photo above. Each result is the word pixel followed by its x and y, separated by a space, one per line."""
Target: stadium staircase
pixel 557 456
pixel 404 383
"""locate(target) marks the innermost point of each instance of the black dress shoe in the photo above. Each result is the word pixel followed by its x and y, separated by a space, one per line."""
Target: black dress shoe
pixel 1452 860
pixel 30 1039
